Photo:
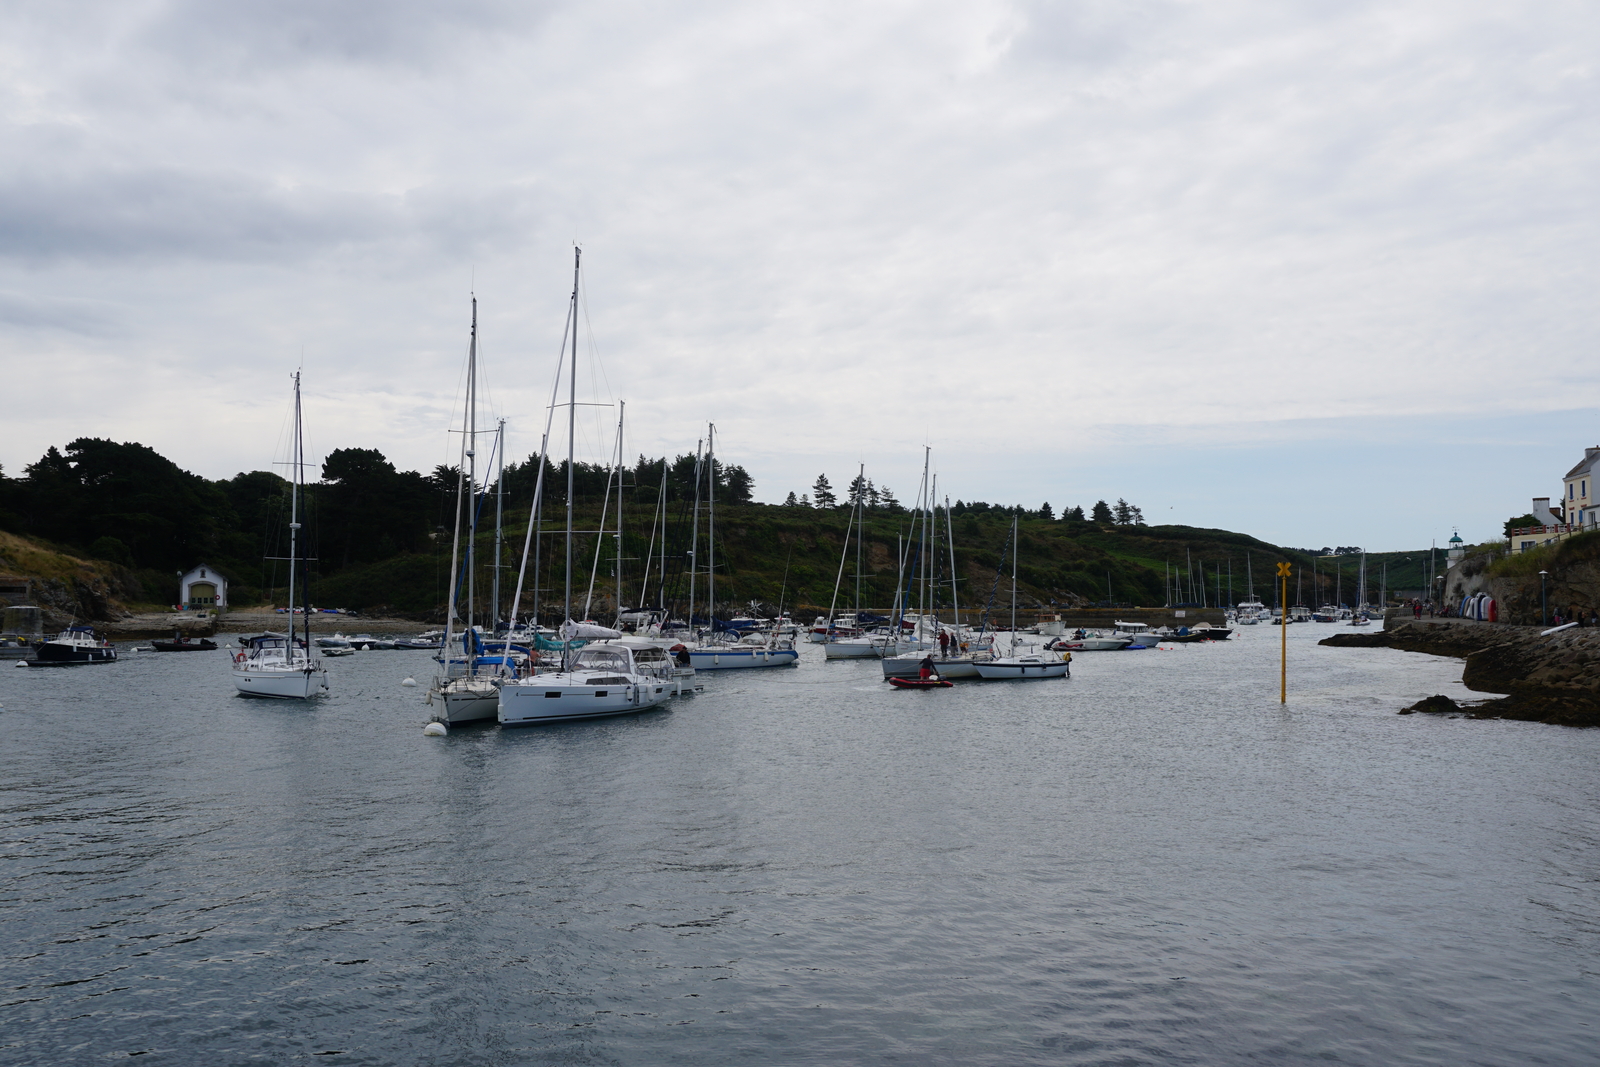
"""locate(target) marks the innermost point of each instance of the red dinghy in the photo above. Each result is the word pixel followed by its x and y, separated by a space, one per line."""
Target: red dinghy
pixel 920 683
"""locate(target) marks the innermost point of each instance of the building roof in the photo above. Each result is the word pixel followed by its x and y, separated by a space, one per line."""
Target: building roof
pixel 1589 456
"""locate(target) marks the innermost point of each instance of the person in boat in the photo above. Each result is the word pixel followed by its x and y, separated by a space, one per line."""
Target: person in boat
pixel 1078 634
pixel 926 669
pixel 944 644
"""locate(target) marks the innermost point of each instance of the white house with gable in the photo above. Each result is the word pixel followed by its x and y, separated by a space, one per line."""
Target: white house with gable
pixel 203 589
pixel 1577 509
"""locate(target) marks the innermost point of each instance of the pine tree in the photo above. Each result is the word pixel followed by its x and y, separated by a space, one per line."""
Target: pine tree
pixel 886 498
pixel 1135 516
pixel 822 493
pixel 790 501
pixel 857 493
pixel 1045 512
pixel 1120 512
pixel 1102 512
pixel 805 500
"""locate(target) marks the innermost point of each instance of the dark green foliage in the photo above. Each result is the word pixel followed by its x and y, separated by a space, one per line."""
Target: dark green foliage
pixel 1102 513
pixel 1520 522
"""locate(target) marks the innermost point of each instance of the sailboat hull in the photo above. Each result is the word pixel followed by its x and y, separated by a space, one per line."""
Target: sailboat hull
pixel 731 659
pixel 296 683
pixel 479 702
pixel 556 698
pixel 1003 669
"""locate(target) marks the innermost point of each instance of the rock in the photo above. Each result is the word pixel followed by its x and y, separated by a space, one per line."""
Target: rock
pixel 1438 704
pixel 1379 639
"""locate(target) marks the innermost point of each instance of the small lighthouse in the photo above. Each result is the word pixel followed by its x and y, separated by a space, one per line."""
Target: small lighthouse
pixel 1457 550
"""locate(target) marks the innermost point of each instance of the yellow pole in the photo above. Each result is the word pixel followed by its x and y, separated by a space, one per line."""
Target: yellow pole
pixel 1283 633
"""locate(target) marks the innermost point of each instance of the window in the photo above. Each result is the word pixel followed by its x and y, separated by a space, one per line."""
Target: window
pixel 1572 491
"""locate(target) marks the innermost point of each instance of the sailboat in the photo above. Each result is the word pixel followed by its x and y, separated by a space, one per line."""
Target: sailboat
pixel 724 651
pixel 467 685
pixel 601 679
pixel 286 666
pixel 1034 665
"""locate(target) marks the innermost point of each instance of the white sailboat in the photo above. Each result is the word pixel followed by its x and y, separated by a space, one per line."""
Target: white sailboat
pixel 286 666
pixel 467 685
pixel 602 679
pixel 1026 665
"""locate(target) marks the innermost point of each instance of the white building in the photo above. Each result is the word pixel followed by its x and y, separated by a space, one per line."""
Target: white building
pixel 1579 491
pixel 203 589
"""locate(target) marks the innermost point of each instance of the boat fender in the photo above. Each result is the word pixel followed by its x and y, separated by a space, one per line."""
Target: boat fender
pixel 410 683
pixel 435 729
pixel 1067 656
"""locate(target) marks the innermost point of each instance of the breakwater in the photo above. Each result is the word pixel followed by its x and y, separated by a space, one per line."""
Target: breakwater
pixel 1551 678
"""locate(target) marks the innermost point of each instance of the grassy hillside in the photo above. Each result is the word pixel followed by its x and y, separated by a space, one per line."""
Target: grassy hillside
pixel 791 555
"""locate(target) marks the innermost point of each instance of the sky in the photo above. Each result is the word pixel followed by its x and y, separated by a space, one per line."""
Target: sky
pixel 1322 273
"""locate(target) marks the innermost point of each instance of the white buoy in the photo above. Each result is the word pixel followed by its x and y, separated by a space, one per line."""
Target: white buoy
pixel 410 683
pixel 20 663
pixel 434 729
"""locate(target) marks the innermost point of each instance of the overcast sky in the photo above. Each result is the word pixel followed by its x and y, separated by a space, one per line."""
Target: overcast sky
pixel 1324 273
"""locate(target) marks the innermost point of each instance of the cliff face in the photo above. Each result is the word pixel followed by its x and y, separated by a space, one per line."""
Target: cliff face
pixel 64 587
pixel 1551 679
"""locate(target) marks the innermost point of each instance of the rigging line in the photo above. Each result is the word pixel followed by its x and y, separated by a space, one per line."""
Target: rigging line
pixel 536 510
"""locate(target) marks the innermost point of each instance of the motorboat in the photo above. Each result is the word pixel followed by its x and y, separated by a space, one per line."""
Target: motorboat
pixel 1208 632
pixel 1090 641
pixel 72 646
pixel 419 643
pixel 180 643
pixel 1140 635
pixel 333 641
pixel 717 656
pixel 920 683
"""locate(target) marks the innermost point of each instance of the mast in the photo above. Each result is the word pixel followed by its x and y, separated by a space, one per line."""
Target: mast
pixel 1014 583
pixel 711 527
pixel 955 592
pixel 294 515
pixel 572 437
pixel 622 410
pixel 694 531
pixel 499 519
pixel 472 483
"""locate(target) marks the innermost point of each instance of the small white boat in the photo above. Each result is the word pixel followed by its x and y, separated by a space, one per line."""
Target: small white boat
pixel 1092 641
pixel 910 666
pixel 868 646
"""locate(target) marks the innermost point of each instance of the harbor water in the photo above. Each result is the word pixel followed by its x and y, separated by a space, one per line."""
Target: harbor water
pixel 1151 862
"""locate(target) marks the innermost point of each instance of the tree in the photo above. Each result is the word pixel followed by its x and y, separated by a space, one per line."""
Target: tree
pixel 790 501
pixel 735 483
pixel 1045 512
pixel 1102 512
pixel 822 492
pixel 1072 514
pixel 887 500
pixel 805 500
pixel 856 494
pixel 1120 514
pixel 1520 522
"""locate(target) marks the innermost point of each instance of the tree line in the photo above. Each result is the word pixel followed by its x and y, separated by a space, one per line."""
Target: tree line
pixel 128 504
pixel 861 491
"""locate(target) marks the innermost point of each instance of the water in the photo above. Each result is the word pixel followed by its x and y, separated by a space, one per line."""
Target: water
pixel 1150 863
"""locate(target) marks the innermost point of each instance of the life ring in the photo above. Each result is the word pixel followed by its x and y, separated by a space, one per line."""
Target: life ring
pixel 239 657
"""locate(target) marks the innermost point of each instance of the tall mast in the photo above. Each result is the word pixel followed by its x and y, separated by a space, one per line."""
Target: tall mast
pixel 572 436
pixel 860 515
pixel 294 512
pixel 694 531
pixel 955 593
pixel 711 526
pixel 499 517
pixel 622 410
pixel 472 483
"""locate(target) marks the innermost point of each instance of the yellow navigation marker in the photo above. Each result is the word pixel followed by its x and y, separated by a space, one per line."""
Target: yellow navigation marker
pixel 1283 634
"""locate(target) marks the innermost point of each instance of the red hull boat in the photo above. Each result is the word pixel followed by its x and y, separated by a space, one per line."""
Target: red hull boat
pixel 920 683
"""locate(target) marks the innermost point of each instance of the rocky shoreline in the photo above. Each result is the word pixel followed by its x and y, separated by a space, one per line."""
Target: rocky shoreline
pixel 1551 679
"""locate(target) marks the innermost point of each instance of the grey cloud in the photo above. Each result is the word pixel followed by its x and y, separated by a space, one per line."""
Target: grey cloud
pixel 266 34
pixel 166 213
pixel 31 312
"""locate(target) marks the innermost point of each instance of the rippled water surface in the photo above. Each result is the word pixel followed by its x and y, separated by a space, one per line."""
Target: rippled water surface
pixel 1151 862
